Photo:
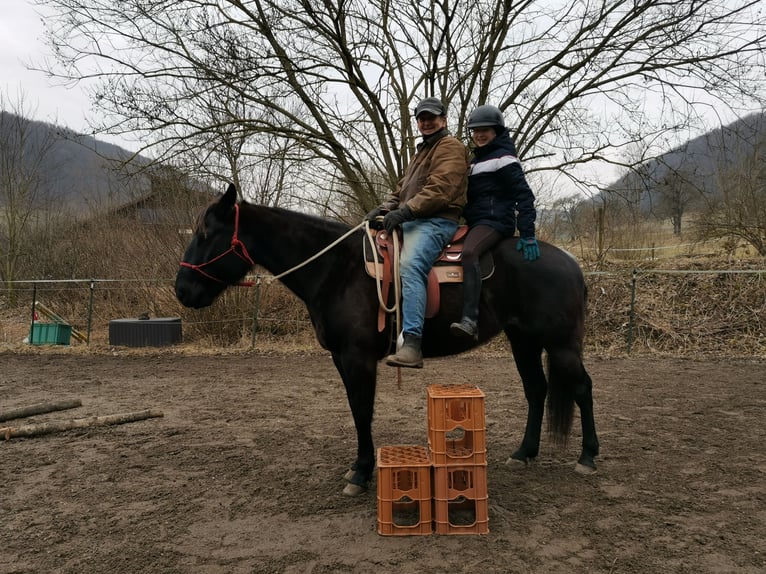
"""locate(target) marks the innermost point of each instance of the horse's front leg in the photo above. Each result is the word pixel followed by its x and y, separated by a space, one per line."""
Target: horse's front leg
pixel 358 371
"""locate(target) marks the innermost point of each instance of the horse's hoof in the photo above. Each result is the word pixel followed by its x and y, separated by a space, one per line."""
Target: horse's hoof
pixel 518 463
pixel 352 489
pixel 349 475
pixel 584 469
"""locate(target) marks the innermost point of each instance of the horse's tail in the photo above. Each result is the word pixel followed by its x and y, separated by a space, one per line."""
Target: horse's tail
pixel 561 395
pixel 567 375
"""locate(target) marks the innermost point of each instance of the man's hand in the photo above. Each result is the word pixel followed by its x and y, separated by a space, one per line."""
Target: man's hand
pixel 396 217
pixel 377 212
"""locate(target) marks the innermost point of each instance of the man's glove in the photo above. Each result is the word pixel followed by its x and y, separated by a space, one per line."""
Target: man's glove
pixel 396 217
pixel 377 212
pixel 530 248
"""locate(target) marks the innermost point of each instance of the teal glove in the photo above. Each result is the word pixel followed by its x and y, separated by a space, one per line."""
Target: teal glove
pixel 530 248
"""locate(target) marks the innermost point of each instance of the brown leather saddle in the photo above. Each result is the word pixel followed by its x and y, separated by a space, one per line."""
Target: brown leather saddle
pixel 447 268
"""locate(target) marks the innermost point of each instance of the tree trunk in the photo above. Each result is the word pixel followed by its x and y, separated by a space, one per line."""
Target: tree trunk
pixel 40 408
pixel 57 426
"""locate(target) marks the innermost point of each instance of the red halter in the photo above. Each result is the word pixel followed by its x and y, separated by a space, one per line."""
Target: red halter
pixel 235 243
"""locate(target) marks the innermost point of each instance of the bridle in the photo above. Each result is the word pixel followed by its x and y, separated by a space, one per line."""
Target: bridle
pixel 236 243
pixel 245 256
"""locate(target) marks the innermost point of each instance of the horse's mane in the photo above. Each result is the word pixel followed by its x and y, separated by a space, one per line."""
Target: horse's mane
pixel 199 225
pixel 314 221
pixel 300 218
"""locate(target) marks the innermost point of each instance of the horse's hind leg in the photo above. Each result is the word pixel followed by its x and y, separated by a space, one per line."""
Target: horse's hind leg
pixel 358 376
pixel 584 400
pixel 570 382
pixel 528 358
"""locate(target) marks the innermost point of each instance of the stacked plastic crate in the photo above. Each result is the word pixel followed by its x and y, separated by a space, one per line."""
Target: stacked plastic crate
pixel 457 440
pixel 404 491
pixel 446 484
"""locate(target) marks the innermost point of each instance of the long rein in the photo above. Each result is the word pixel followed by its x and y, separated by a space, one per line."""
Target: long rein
pixel 245 256
pixel 395 308
pixel 236 242
pixel 318 254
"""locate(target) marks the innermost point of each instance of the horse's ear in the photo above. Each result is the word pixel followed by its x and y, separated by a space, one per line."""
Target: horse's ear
pixel 230 197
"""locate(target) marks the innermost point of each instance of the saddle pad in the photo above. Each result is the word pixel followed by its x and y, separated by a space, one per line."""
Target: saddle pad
pixel 447 269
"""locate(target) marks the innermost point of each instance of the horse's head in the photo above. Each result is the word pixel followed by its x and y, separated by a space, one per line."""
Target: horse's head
pixel 215 258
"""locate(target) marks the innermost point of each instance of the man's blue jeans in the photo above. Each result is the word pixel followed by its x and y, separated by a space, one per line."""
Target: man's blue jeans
pixel 423 241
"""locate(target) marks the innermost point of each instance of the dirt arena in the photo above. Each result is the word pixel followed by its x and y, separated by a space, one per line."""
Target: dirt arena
pixel 243 473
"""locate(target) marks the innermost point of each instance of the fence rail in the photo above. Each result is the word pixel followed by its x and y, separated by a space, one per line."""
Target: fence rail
pixel 714 310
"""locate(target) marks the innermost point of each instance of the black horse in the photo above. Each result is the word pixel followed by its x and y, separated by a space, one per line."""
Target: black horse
pixel 539 305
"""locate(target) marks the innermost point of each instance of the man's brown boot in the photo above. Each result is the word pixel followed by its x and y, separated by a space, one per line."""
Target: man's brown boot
pixel 409 355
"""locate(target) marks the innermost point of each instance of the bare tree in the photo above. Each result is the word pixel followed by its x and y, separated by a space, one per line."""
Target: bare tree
pixel 676 192
pixel 563 222
pixel 336 81
pixel 630 195
pixel 738 213
pixel 24 152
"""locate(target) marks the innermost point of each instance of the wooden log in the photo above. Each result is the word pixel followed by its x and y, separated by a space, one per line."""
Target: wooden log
pixel 40 408
pixel 58 426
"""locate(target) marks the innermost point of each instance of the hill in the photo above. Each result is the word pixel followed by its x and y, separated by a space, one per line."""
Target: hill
pixel 74 171
pixel 82 173
pixel 699 162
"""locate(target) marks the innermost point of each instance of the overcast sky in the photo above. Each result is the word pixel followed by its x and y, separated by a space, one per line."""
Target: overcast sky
pixel 22 44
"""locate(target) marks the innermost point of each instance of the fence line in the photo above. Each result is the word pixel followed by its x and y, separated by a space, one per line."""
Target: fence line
pixel 700 271
pixel 648 248
pixel 253 319
pixel 260 276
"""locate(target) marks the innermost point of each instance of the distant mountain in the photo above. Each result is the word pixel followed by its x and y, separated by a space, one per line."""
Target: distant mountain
pixel 701 160
pixel 76 172
pixel 81 173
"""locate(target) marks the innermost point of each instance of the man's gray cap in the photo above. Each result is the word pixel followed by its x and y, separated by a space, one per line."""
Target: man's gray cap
pixel 430 105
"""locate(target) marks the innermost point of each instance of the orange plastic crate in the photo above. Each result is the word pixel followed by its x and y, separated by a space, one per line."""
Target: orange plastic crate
pixel 453 406
pixel 452 482
pixel 404 491
pixel 461 516
pixel 457 447
pixel 456 425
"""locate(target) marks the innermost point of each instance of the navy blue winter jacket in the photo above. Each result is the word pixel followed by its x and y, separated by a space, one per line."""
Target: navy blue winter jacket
pixel 498 190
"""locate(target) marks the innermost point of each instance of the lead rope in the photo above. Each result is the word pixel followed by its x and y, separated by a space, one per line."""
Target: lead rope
pixel 378 279
pixel 319 253
pixel 396 307
pixel 395 273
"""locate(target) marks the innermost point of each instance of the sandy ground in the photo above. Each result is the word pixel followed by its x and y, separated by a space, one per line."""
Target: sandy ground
pixel 243 472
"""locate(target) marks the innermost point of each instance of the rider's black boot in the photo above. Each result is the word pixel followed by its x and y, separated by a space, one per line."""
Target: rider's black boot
pixel 468 327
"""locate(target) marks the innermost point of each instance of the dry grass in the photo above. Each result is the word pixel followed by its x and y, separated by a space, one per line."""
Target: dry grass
pixel 681 308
